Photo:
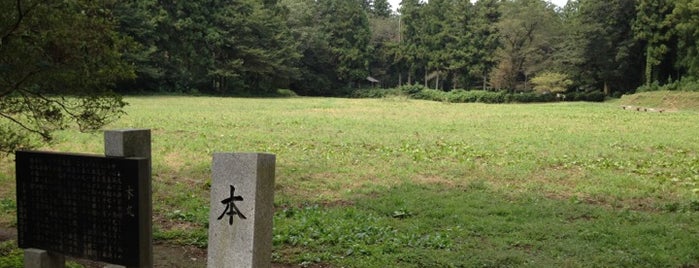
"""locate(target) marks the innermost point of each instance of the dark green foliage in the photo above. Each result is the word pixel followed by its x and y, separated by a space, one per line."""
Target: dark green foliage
pixel 252 47
pixel 447 44
pixel 374 93
pixel 462 96
pixel 437 39
pixel 384 47
pixel 653 26
pixel 44 58
pixel 412 89
pixel 685 15
pixel 472 96
pixel 333 41
pixel 686 84
pixel 411 56
pixel 528 31
pixel 610 56
pixel 329 47
pixel 485 38
pixel 140 19
pixel 594 96
pixel 211 46
pixel 315 75
pixel 430 94
pixel 381 8
pixel 460 48
pixel 347 29
pixel 286 93
pixel 530 97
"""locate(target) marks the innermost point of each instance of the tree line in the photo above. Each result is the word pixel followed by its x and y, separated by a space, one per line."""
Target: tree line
pixel 326 47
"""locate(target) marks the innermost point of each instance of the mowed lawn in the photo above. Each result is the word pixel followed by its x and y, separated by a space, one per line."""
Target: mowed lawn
pixel 403 183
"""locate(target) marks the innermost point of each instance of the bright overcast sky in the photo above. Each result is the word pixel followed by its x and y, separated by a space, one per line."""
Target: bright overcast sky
pixel 560 3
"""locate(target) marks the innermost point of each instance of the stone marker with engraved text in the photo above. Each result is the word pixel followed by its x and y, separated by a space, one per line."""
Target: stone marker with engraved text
pixel 86 206
pixel 242 208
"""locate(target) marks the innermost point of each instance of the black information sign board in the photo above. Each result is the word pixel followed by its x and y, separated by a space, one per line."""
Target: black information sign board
pixel 84 206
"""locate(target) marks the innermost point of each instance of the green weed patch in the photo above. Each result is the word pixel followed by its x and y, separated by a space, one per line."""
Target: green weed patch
pixel 473 226
pixel 10 255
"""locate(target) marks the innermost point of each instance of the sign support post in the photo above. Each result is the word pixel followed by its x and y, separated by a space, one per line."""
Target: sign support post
pixel 136 143
pixel 39 258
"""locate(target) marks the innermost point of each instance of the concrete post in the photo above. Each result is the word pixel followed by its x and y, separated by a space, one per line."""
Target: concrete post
pixel 39 258
pixel 127 143
pixel 242 209
pixel 136 143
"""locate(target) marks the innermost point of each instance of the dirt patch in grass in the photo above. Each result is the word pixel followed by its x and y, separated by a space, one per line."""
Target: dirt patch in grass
pixel 164 255
pixel 8 234
pixel 174 161
pixel 178 256
pixel 436 180
pixel 169 224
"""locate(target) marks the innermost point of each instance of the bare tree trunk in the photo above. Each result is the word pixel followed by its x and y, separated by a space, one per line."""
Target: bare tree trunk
pixel 425 77
pixel 436 82
pixel 455 80
pixel 526 84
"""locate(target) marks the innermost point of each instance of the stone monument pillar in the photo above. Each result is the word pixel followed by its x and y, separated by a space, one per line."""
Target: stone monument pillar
pixel 242 209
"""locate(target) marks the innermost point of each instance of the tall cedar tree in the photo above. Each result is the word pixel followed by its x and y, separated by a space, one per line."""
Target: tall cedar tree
pixel 611 55
pixel 381 8
pixel 384 46
pixel 436 36
pixel 461 45
pixel 413 54
pixel 140 20
pixel 655 30
pixel 485 38
pixel 316 75
pixel 347 28
pixel 686 15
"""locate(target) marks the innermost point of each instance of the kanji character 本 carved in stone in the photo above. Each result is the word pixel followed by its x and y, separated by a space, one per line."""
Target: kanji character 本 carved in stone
pixel 231 208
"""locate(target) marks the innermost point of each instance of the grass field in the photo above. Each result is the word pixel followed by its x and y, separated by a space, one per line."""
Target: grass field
pixel 402 183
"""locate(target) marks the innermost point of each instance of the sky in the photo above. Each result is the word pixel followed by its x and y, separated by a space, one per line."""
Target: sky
pixel 560 3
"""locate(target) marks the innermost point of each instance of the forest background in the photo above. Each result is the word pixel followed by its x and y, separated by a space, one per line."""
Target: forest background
pixel 326 47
